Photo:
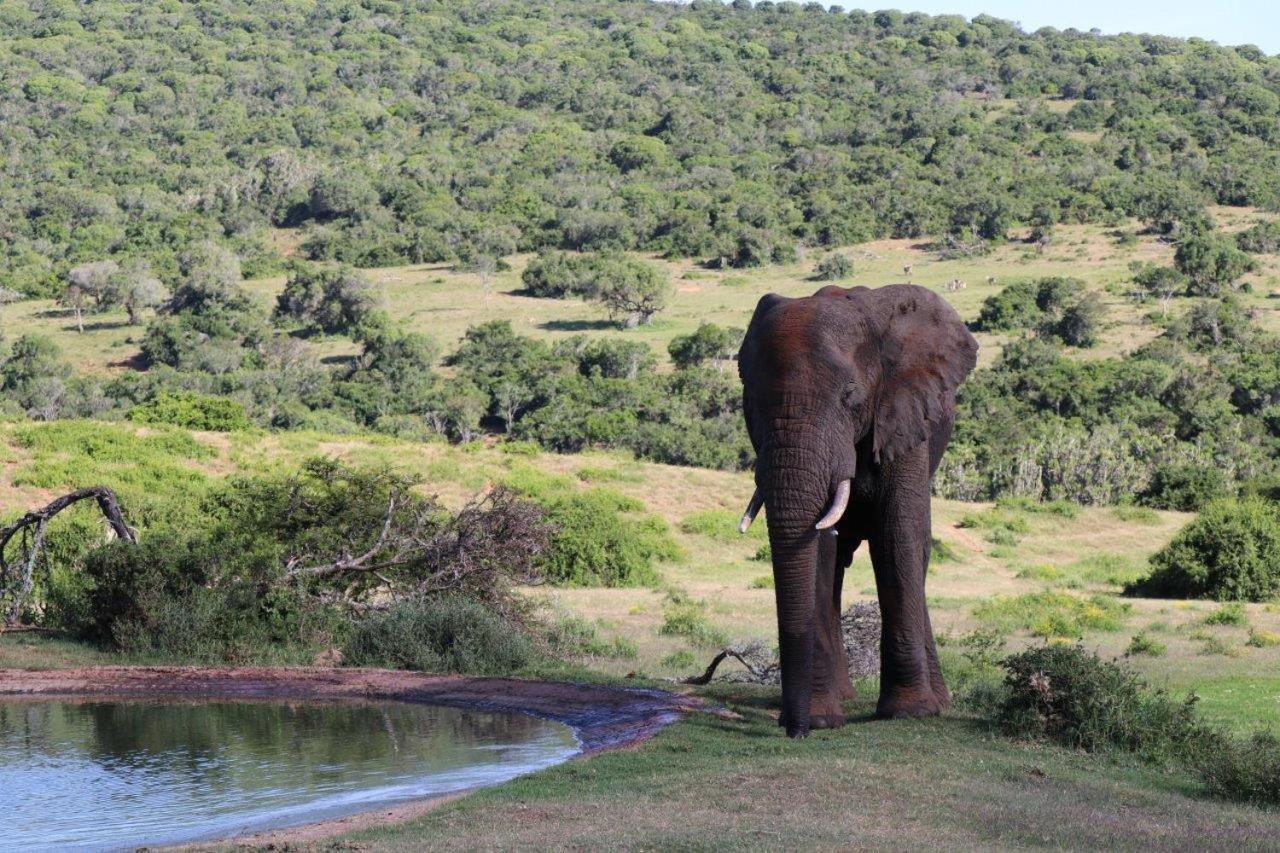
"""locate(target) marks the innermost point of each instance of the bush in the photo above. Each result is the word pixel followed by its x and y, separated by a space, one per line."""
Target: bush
pixel 1231 613
pixel 325 299
pixel 601 539
pixel 1263 237
pixel 439 635
pixel 1070 695
pixel 833 268
pixel 1142 644
pixel 685 617
pixel 160 597
pixel 1243 770
pixel 1212 262
pixel 1231 552
pixel 192 411
pixel 1184 486
pixel 1056 307
pixel 554 275
pixel 710 342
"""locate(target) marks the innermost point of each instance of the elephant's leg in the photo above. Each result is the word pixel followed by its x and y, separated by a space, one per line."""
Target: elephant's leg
pixel 900 556
pixel 844 555
pixel 830 672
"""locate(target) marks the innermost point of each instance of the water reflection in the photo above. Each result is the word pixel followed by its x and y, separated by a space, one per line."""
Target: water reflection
pixel 103 775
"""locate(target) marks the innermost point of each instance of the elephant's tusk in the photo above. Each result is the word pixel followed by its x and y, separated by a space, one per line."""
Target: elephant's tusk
pixel 838 506
pixel 757 501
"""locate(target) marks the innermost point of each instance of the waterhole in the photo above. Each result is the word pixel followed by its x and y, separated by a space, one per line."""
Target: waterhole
pixel 103 775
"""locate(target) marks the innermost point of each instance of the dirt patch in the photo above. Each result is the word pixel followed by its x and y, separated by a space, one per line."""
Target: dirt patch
pixel 603 717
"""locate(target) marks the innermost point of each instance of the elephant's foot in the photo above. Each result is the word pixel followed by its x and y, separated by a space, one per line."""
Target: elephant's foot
pixel 900 705
pixel 824 713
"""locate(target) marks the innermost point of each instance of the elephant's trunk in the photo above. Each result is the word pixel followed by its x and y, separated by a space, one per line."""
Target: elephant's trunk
pixel 796 485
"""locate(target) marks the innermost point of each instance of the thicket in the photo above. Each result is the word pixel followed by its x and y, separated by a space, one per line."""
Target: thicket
pixel 1230 552
pixel 439 635
pixel 462 132
pixel 1066 694
pixel 281 566
pixel 630 289
pixel 1055 307
pixel 1185 418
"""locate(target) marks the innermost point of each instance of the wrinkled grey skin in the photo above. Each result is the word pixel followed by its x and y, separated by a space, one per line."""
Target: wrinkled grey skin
pixel 857 384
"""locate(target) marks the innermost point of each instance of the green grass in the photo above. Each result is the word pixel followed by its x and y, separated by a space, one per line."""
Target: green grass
pixel 1052 615
pixel 711 783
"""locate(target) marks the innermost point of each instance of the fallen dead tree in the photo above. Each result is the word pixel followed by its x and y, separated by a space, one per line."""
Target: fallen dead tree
pixel 860 625
pixel 17 579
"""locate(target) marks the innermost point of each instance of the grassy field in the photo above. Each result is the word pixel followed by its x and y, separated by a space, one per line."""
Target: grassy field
pixel 443 303
pixel 1020 571
pixel 711 784
pixel 1024 573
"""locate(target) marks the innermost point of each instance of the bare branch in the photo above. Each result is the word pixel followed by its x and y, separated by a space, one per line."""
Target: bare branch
pixel 352 564
pixel 33 526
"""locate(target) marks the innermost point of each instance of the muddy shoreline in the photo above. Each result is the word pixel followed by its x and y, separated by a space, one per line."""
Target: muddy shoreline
pixel 603 717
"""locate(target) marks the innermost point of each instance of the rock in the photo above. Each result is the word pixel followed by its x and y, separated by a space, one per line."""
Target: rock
pixel 861 627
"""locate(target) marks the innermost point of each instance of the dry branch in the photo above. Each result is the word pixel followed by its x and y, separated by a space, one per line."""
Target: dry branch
pixel 33 525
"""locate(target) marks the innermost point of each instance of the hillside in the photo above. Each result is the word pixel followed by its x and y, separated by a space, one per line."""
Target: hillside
pixel 401 133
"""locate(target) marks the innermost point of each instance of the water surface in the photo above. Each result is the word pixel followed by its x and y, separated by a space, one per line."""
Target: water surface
pixel 111 774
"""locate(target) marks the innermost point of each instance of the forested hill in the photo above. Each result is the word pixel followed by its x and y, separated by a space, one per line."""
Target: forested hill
pixel 418 130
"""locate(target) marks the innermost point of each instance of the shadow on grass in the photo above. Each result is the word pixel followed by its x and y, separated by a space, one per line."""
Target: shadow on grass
pixel 577 325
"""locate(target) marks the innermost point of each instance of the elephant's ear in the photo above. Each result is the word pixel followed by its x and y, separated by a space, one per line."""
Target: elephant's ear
pixel 927 352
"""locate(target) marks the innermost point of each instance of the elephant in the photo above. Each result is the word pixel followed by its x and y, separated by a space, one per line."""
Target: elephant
pixel 849 401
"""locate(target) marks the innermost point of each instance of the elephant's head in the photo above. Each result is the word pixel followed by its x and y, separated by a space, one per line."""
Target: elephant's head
pixel 828 380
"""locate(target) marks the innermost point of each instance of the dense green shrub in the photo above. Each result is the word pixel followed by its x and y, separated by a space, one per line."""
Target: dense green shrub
pixel 1262 237
pixel 1056 307
pixel 833 267
pixel 1231 552
pixel 1070 695
pixel 1014 307
pixel 190 597
pixel 708 343
pixel 439 635
pixel 325 299
pixel 193 411
pixel 1212 262
pixel 1243 770
pixel 1185 486
pixel 602 538
pixel 555 275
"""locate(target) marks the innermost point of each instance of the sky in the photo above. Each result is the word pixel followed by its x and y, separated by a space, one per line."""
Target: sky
pixel 1255 22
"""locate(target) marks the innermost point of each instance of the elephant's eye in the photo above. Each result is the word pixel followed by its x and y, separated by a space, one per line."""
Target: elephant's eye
pixel 851 396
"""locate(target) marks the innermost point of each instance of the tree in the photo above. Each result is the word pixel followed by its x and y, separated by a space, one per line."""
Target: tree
pixel 1162 283
pixel 1212 262
pixel 135 289
pixel 210 278
pixel 89 287
pixel 710 342
pixel 325 299
pixel 631 290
